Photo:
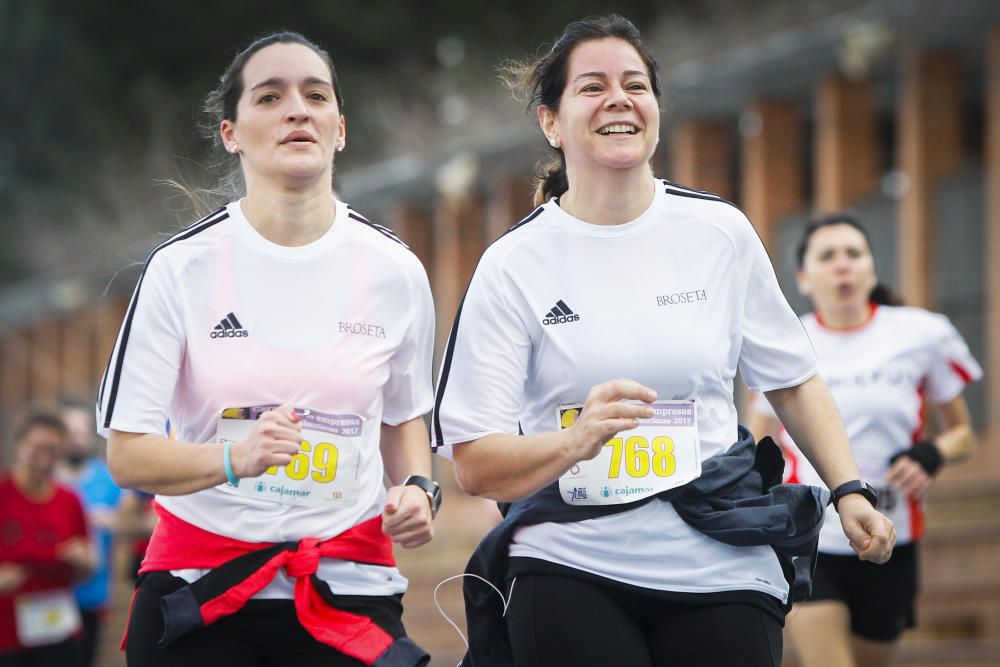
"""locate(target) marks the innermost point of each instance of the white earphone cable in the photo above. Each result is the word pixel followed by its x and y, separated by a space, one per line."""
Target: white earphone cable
pixel 437 603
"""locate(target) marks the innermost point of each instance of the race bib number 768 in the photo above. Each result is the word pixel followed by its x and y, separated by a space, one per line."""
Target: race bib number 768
pixel 661 453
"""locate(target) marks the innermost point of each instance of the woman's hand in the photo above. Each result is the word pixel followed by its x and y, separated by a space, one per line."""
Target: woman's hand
pixel 510 467
pixel 12 577
pixel 407 516
pixel 871 534
pixel 275 439
pixel 909 477
pixel 604 415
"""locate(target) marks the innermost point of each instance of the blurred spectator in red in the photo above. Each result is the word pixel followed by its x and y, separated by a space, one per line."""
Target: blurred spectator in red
pixel 44 548
pixel 84 469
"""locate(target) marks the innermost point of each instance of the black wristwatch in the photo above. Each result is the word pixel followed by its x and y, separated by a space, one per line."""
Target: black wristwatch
pixel 430 487
pixel 856 486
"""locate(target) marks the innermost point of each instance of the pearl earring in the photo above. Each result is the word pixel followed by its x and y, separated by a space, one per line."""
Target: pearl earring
pixel 235 149
pixel 553 142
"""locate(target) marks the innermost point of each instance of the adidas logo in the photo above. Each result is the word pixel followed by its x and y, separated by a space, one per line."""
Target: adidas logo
pixel 229 327
pixel 560 314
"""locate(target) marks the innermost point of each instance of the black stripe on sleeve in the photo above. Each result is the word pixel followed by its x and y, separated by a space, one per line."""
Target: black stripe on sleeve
pixel 384 231
pixel 208 218
pixel 207 222
pixel 450 348
pixel 531 216
pixel 679 186
pixel 445 370
pixel 682 191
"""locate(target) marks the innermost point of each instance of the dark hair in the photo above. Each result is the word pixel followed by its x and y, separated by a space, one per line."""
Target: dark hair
pixel 541 83
pixel 881 293
pixel 38 419
pixel 221 104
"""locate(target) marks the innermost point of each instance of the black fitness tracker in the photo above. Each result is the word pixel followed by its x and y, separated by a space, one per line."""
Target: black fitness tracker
pixel 856 486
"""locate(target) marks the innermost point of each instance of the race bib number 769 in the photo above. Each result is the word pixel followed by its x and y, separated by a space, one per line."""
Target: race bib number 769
pixel 327 469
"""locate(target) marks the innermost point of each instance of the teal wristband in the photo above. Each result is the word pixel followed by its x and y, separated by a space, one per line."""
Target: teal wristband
pixel 228 464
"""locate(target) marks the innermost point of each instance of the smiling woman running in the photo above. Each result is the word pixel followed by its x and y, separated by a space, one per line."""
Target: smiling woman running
pixel 288 340
pixel 621 545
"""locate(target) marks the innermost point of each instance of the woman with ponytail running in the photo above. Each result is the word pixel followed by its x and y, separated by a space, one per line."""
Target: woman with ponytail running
pixel 884 365
pixel 588 380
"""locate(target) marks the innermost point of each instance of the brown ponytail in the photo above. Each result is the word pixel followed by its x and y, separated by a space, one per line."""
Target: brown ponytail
pixel 550 179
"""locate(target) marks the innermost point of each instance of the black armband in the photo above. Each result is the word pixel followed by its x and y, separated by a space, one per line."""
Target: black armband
pixel 925 453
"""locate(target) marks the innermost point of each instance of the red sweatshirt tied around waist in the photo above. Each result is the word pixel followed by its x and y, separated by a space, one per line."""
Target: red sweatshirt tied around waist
pixel 239 570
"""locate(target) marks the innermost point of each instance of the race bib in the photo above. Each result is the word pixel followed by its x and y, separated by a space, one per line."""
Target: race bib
pixel 46 618
pixel 325 472
pixel 661 453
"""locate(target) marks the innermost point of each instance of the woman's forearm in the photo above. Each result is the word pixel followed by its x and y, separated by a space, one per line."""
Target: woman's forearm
pixel 762 426
pixel 405 450
pixel 156 464
pixel 509 467
pixel 957 443
pixel 957 439
pixel 810 416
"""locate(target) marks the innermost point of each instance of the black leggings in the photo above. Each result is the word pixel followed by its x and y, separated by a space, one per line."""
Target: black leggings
pixel 264 632
pixel 64 654
pixel 555 620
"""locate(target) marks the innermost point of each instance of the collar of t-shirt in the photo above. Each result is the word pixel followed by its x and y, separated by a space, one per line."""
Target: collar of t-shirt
pixel 612 231
pixel 248 234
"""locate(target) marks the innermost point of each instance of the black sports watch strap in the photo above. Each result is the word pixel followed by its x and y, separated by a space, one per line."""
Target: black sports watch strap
pixel 856 486
pixel 925 453
pixel 430 487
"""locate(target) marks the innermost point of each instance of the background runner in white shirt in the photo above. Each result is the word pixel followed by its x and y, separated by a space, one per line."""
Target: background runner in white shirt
pixel 286 298
pixel 884 364
pixel 626 276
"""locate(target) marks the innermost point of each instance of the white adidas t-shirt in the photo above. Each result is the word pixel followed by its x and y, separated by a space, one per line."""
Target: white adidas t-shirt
pixel 221 318
pixel 676 299
pixel 881 374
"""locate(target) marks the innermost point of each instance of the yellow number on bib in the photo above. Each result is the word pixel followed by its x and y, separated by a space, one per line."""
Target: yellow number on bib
pixel 638 462
pixel 298 467
pixel 637 458
pixel 664 461
pixel 325 457
pixel 616 457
